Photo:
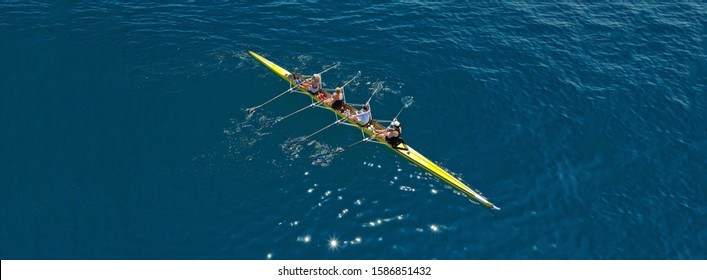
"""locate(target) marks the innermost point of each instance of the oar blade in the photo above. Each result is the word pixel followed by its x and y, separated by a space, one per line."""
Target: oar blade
pixel 294 142
pixel 407 101
pixel 271 122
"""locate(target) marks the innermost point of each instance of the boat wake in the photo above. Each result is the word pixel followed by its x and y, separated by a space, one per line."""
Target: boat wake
pixel 321 154
pixel 241 136
pixel 292 147
pixel 324 156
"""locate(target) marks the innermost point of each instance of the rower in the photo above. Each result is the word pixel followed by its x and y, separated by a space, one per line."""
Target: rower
pixel 336 100
pixel 392 135
pixel 296 78
pixel 363 116
pixel 316 85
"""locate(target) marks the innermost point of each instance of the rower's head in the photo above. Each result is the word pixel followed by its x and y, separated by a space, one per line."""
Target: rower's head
pixel 317 78
pixel 365 108
pixel 395 124
pixel 337 91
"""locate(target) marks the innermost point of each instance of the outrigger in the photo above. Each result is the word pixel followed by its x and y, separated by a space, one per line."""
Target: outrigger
pixel 301 83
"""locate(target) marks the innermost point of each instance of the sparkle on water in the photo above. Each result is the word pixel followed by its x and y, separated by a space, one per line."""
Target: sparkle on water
pixel 434 228
pixel 333 243
pixel 305 239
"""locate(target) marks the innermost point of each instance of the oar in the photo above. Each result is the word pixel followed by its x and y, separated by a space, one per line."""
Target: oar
pixel 277 120
pixel 316 132
pixel 332 67
pixel 369 138
pixel 367 101
pixel 340 149
pixel 252 109
pixel 407 101
pixel 348 82
pixel 378 88
pixel 358 74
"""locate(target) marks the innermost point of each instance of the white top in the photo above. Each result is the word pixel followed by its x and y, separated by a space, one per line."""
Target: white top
pixel 313 89
pixel 364 117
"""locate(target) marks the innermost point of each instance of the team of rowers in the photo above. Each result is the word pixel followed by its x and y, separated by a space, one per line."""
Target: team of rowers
pixel 362 117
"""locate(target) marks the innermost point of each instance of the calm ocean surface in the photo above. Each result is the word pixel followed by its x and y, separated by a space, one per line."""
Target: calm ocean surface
pixel 124 136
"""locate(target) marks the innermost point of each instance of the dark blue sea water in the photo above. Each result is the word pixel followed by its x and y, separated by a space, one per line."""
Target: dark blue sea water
pixel 124 136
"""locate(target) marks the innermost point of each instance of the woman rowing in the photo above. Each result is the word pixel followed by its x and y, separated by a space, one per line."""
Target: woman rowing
pixel 363 116
pixel 296 78
pixel 336 100
pixel 391 134
pixel 315 86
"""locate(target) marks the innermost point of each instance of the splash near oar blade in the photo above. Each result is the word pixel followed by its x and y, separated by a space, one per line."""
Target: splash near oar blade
pixel 407 101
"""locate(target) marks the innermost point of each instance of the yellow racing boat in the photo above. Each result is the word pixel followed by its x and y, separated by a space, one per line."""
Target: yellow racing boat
pixel 402 148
